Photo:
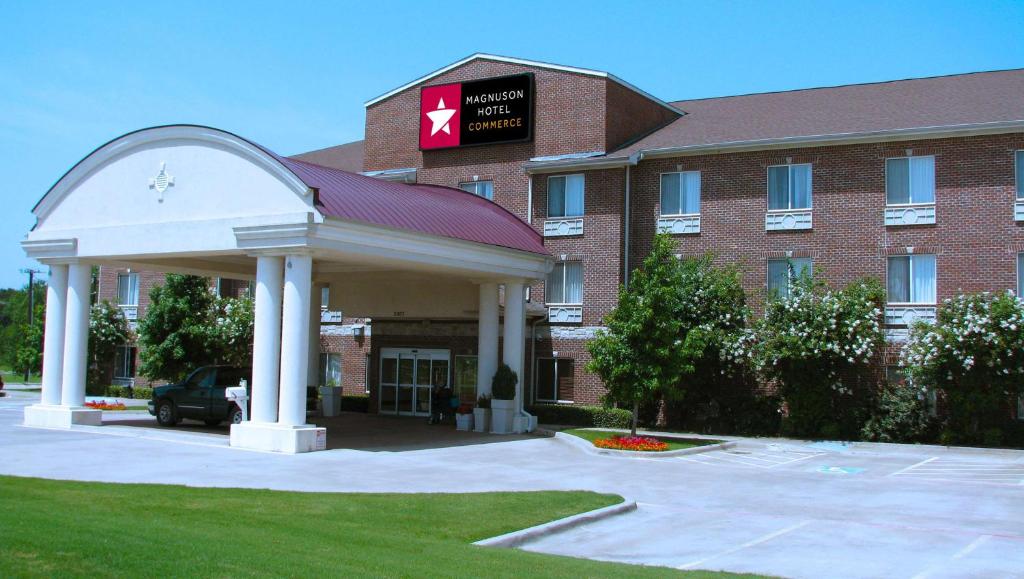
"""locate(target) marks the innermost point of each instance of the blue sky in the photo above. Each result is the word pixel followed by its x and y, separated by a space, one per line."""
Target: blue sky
pixel 293 76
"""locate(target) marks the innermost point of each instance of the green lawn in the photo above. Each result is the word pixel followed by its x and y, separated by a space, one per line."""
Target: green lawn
pixel 673 443
pixel 72 529
pixel 12 377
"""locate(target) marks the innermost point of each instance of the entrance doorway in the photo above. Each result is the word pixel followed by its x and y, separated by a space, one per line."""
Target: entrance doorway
pixel 407 378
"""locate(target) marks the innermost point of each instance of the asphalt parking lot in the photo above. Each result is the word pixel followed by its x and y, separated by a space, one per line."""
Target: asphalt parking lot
pixel 785 508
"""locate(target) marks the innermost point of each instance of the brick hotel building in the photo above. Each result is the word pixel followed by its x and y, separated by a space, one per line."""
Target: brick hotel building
pixel 919 183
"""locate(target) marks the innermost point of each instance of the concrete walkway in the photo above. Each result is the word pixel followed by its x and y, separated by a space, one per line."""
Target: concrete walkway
pixel 778 507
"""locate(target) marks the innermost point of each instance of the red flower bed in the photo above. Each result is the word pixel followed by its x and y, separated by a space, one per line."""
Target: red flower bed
pixel 105 406
pixel 641 443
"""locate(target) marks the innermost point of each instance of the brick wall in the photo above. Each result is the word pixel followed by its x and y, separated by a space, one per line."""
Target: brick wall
pixel 975 237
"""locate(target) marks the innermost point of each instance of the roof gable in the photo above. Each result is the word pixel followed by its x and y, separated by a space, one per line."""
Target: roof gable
pixel 523 62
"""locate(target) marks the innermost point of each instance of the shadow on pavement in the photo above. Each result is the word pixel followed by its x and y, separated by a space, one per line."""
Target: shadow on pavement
pixel 352 430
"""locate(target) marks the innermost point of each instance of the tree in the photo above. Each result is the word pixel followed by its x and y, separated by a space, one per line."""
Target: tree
pixel 639 355
pixel 974 354
pixel 108 329
pixel 809 341
pixel 186 326
pixel 175 333
pixel 21 342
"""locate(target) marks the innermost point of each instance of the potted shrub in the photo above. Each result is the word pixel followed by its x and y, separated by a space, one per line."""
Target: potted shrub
pixel 464 417
pixel 482 414
pixel 503 405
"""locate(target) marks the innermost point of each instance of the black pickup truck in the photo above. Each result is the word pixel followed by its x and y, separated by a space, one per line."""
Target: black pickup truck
pixel 200 397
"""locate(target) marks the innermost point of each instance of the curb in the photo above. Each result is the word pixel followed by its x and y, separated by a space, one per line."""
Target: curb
pixel 518 538
pixel 588 447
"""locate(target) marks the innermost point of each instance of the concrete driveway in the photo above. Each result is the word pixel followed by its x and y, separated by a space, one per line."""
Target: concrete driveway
pixel 778 507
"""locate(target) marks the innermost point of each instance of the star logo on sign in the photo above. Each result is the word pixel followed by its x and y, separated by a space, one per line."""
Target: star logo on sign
pixel 440 118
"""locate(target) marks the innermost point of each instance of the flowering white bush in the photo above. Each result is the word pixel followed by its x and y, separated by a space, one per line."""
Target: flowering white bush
pixel 974 354
pixel 108 329
pixel 808 341
pixel 232 330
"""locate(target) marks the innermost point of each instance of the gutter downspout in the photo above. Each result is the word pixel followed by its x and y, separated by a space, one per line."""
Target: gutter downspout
pixel 529 198
pixel 633 160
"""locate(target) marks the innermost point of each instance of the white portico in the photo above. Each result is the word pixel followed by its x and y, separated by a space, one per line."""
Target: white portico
pixel 199 200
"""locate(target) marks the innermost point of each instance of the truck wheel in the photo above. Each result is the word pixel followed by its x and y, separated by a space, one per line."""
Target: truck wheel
pixel 236 416
pixel 166 414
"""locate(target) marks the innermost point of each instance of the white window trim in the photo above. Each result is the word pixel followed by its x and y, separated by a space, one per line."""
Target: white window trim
pixel 583 201
pixel 1019 258
pixel 789 196
pixel 700 195
pixel 327 368
pixel 117 376
pixel 910 183
pixel 1018 199
pixel 474 184
pixel 136 294
pixel 1018 190
pixel 910 278
pixel 536 381
pixel 789 271
pixel 580 303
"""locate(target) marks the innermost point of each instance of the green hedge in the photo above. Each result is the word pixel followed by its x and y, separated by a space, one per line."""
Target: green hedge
pixel 355 403
pixel 113 391
pixel 576 415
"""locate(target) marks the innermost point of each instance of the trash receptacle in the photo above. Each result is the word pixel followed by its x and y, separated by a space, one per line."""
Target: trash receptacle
pixel 331 398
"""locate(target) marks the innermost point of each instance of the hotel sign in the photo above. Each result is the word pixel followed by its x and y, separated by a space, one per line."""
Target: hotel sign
pixel 477 112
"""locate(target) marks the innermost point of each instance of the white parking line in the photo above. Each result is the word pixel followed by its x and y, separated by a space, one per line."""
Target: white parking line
pixel 961 471
pixel 761 459
pixel 757 541
pixel 958 555
pixel 916 464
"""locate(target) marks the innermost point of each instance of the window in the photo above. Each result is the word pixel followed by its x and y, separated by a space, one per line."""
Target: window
pixel 782 272
pixel 897 376
pixel 555 380
pixel 565 283
pixel 910 180
pixel 1019 169
pixel 1020 274
pixel 911 279
pixel 483 189
pixel 565 196
pixel 465 378
pixel 789 187
pixel 330 369
pixel 124 363
pixel 325 297
pixel 680 193
pixel 128 289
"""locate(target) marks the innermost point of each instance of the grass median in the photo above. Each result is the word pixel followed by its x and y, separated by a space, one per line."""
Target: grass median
pixel 75 529
pixel 673 443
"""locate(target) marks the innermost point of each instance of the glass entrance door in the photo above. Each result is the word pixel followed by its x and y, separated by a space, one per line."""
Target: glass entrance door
pixel 408 377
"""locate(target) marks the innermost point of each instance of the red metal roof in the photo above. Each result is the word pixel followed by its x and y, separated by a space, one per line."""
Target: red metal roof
pixel 430 209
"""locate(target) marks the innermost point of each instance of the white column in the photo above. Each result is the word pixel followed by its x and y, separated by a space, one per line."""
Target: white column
pixel 295 339
pixel 313 366
pixel 266 350
pixel 512 345
pixel 487 338
pixel 53 344
pixel 76 335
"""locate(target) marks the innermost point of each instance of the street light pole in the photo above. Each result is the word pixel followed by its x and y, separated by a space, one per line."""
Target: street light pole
pixel 31 303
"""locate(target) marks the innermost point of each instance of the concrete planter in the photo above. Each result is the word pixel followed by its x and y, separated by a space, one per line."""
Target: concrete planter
pixel 481 419
pixel 502 413
pixel 464 422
